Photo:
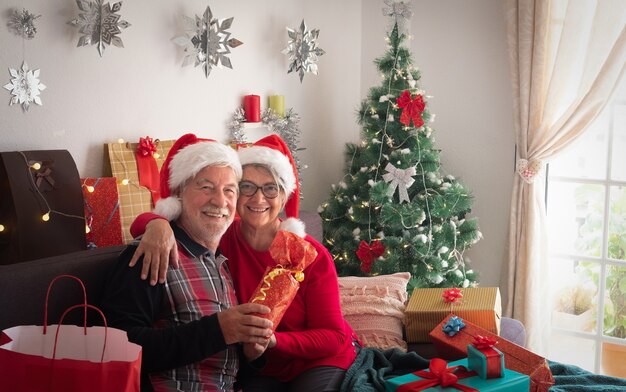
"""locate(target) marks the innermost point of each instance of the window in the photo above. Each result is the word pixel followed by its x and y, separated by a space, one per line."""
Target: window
pixel 586 212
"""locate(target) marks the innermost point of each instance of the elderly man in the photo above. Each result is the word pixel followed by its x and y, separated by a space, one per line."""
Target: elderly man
pixel 190 325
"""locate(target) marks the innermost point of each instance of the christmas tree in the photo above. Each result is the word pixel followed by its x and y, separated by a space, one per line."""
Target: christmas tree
pixel 394 210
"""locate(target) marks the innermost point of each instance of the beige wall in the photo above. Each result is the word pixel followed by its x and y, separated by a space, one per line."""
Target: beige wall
pixel 143 90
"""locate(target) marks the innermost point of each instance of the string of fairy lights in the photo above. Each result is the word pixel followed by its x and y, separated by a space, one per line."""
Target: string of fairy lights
pixel 48 211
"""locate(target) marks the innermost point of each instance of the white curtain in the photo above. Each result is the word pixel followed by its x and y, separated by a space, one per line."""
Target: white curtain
pixel 567 57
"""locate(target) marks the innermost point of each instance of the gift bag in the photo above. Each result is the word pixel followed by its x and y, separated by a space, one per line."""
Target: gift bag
pixel 41 205
pixel 67 357
pixel 280 284
pixel 136 167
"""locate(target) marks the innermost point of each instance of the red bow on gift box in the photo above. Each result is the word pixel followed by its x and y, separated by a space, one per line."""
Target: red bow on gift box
pixel 368 252
pixel 450 296
pixel 439 374
pixel 146 147
pixel 412 109
pixel 147 167
pixel 483 342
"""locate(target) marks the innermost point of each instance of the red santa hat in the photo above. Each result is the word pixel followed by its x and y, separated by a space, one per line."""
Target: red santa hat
pixel 272 151
pixel 188 156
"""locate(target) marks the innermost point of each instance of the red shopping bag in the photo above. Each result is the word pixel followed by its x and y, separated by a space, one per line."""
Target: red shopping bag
pixel 68 357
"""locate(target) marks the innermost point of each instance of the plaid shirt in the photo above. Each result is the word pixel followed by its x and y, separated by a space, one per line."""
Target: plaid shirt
pixel 201 286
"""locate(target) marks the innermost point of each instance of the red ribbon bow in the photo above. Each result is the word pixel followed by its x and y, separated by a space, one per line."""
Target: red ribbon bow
pixel 368 252
pixel 147 169
pixel 439 374
pixel 412 109
pixel 483 342
pixel 451 296
pixel 146 146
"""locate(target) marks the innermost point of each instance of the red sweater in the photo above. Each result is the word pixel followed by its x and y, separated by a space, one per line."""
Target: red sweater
pixel 313 331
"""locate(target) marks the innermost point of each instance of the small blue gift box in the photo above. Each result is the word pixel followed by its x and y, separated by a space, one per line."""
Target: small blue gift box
pixel 487 363
pixel 511 381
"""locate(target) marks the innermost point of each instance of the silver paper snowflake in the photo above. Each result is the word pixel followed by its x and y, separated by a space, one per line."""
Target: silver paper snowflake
pixel 100 24
pixel 25 86
pixel 22 23
pixel 206 41
pixel 302 50
pixel 399 12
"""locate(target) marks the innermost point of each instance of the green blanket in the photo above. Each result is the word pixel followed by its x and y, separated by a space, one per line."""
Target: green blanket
pixel 572 378
pixel 371 367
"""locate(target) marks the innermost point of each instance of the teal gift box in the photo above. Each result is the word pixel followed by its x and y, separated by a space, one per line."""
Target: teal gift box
pixel 510 382
pixel 477 361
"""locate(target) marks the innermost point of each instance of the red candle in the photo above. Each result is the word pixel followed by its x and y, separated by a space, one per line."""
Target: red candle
pixel 252 108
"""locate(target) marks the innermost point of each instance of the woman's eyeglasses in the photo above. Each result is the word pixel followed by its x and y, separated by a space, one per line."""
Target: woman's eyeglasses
pixel 270 191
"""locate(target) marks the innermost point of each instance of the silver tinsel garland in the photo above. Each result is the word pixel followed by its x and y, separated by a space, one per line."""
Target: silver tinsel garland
pixel 286 127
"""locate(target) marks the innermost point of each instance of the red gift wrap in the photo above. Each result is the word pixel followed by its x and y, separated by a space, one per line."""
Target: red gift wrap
pixel 102 211
pixel 280 284
pixel 515 357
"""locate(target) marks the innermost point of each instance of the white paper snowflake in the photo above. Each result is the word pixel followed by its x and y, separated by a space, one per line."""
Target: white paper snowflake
pixel 25 86
pixel 99 23
pixel 206 41
pixel 302 50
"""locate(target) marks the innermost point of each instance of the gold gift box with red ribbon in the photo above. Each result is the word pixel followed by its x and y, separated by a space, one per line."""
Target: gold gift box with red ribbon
pixel 280 284
pixel 134 195
pixel 427 307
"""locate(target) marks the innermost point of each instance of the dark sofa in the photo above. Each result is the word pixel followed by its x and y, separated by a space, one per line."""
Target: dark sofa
pixel 23 288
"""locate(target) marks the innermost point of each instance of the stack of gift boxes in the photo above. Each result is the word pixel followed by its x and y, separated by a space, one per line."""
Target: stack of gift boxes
pixel 464 325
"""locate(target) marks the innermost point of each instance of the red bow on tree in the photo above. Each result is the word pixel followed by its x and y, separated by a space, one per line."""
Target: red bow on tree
pixel 368 252
pixel 412 109
pixel 452 295
pixel 483 342
pixel 146 146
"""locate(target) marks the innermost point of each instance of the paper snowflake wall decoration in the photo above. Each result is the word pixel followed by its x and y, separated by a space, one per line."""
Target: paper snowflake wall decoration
pixel 100 24
pixel 22 23
pixel 302 50
pixel 206 41
pixel 25 86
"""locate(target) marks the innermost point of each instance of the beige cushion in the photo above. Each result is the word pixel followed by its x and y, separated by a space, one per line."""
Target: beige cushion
pixel 374 307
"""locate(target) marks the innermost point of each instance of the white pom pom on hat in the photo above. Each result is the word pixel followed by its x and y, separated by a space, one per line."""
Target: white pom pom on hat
pixel 188 156
pixel 293 225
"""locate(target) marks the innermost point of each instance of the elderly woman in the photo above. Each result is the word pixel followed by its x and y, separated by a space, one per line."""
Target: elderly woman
pixel 313 345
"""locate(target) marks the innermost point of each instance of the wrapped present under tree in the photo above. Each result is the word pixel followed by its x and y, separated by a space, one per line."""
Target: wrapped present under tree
pixel 427 307
pixel 456 376
pixel 515 357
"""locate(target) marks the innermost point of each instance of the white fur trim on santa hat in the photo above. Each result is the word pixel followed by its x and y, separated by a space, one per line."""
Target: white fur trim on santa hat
pixel 272 158
pixel 169 208
pixel 293 225
pixel 190 160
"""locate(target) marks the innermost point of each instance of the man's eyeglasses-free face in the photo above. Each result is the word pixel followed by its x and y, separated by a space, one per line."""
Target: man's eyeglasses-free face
pixel 270 191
